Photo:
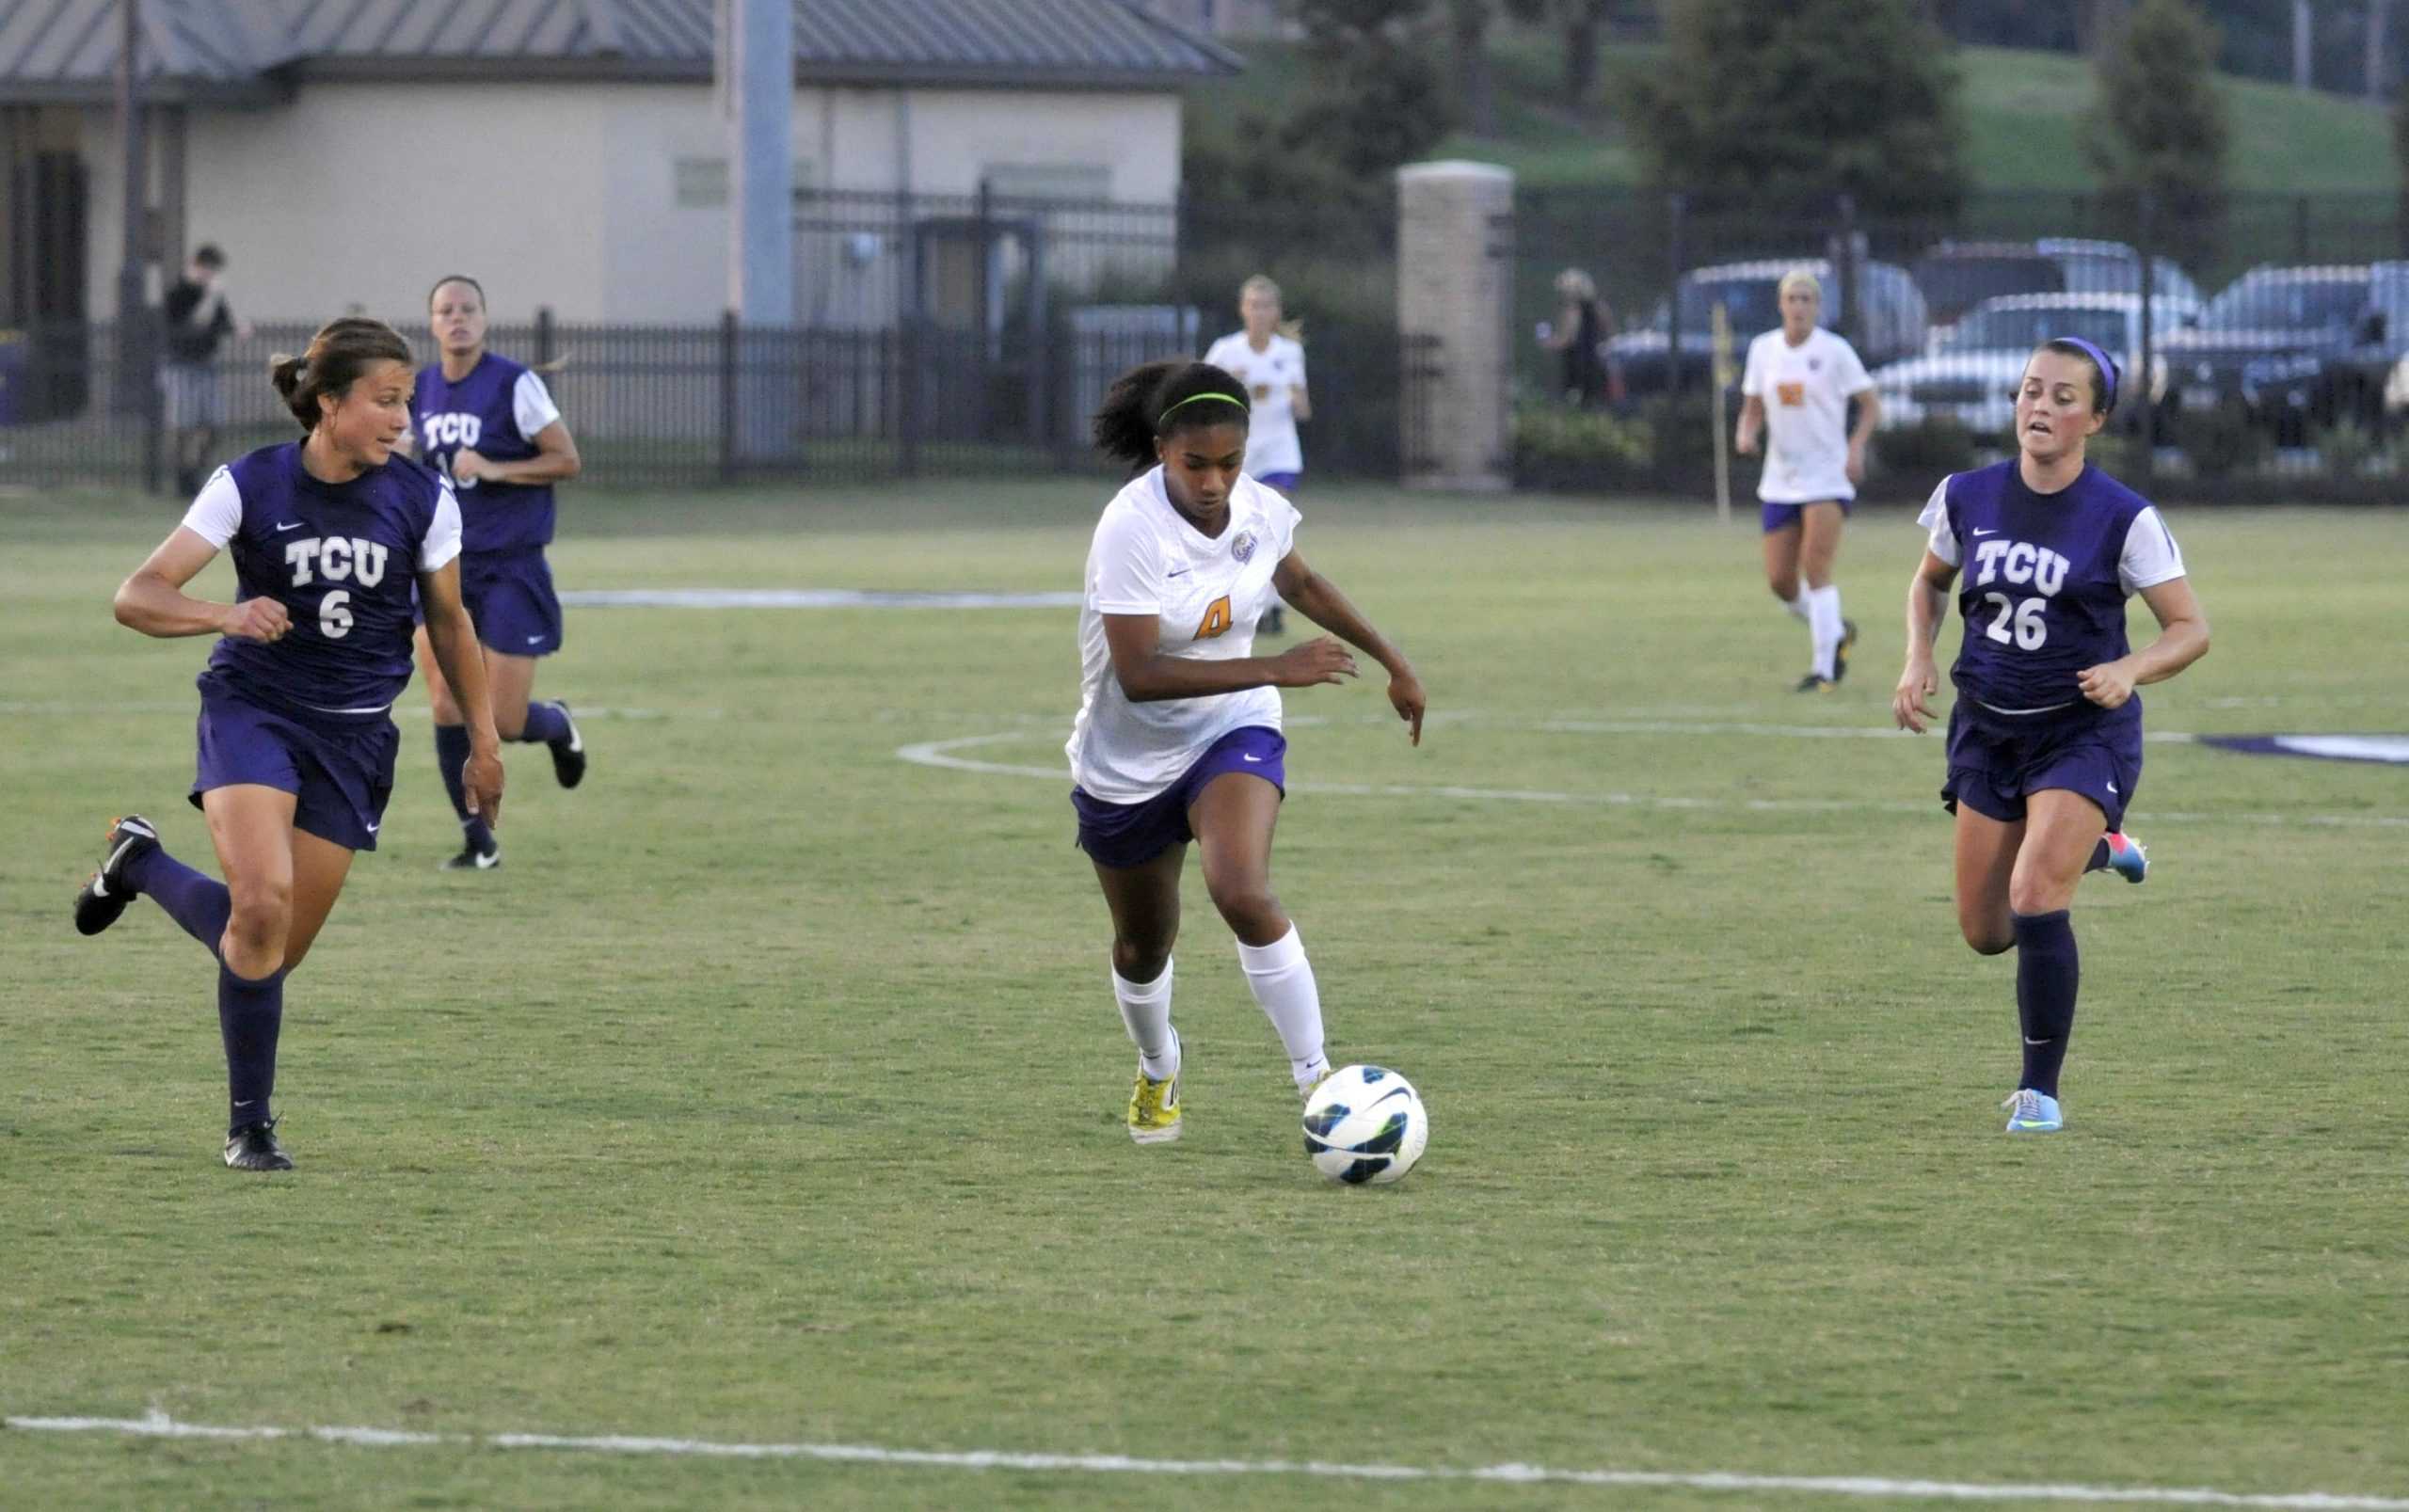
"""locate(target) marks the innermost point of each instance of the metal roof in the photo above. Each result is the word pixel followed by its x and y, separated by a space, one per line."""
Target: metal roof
pixel 230 49
pixel 64 49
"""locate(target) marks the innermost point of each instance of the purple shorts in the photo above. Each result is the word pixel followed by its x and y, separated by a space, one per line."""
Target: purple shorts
pixel 1782 517
pixel 1285 482
pixel 509 595
pixel 339 771
pixel 1996 763
pixel 1131 834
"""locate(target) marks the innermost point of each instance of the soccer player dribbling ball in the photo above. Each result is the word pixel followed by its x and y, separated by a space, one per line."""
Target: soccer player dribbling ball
pixel 1178 730
pixel 489 424
pixel 1795 394
pixel 2044 739
pixel 329 535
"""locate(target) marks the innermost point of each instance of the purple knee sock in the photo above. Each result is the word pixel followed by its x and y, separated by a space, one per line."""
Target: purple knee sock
pixel 199 903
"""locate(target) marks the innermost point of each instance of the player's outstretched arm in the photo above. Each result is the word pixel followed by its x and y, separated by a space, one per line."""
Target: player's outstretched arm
pixel 154 601
pixel 1928 605
pixel 1319 599
pixel 452 637
pixel 1148 677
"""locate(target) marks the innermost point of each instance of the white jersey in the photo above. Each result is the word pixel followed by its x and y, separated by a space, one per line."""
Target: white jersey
pixel 1270 377
pixel 1806 390
pixel 1206 593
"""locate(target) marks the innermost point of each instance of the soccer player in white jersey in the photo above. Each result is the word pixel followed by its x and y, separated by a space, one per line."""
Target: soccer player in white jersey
pixel 1796 394
pixel 1178 730
pixel 1269 360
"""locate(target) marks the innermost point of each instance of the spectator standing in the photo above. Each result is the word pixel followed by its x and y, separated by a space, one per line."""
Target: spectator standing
pixel 198 320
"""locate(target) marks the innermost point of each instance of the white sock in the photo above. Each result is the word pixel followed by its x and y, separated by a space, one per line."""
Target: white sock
pixel 1281 981
pixel 1823 622
pixel 1145 1010
pixel 1798 606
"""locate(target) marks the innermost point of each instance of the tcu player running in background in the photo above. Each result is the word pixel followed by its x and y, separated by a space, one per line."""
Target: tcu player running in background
pixel 1178 730
pixel 492 428
pixel 2044 739
pixel 331 536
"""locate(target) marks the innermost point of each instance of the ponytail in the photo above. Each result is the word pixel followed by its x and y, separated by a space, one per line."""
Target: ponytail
pixel 342 350
pixel 1163 399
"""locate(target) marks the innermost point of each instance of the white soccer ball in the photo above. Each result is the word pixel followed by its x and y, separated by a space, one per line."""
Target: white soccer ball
pixel 1364 1123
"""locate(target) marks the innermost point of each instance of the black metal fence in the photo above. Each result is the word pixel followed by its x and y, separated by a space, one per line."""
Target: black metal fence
pixel 965 335
pixel 2265 346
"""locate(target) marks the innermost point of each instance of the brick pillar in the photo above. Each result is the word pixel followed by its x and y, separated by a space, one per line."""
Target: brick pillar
pixel 1455 267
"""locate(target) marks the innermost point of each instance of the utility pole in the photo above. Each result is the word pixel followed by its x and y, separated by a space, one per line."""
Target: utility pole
pixel 757 84
pixel 133 304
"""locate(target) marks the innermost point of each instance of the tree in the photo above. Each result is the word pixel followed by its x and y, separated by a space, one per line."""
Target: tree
pixel 1580 22
pixel 2157 127
pixel 1805 101
pixel 1377 100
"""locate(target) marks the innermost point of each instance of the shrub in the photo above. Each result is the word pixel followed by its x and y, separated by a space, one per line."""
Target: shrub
pixel 2345 447
pixel 1927 449
pixel 1555 447
pixel 2224 441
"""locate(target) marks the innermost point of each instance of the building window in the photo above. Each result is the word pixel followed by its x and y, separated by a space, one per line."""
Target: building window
pixel 701 182
pixel 1049 181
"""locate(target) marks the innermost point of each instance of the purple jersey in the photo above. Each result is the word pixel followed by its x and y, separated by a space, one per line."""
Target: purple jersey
pixel 2043 584
pixel 343 559
pixel 495 411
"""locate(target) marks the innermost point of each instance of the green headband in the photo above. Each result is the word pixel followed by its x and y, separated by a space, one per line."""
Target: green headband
pixel 1195 398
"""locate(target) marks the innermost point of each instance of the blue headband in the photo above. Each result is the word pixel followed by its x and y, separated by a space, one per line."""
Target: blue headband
pixel 2107 366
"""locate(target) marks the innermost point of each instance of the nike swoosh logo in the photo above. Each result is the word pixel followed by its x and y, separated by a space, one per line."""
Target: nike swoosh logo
pixel 534 640
pixel 1987 532
pixel 371 829
pixel 1251 757
pixel 2112 786
pixel 1181 573
pixel 294 526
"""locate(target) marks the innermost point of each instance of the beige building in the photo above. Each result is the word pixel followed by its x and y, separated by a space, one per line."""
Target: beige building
pixel 570 153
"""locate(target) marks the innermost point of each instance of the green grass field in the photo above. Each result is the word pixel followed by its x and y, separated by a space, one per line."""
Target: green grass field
pixel 2022 111
pixel 769 1093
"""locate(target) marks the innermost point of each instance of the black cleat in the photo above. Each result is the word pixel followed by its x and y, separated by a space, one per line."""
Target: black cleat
pixel 253 1146
pixel 1840 652
pixel 472 859
pixel 568 756
pixel 107 894
pixel 1815 682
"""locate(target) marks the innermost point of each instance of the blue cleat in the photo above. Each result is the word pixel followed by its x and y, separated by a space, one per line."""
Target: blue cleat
pixel 2126 857
pixel 2032 1112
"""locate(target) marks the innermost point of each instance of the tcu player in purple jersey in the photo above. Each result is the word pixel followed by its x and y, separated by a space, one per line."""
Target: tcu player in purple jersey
pixel 1178 730
pixel 330 536
pixel 2044 739
pixel 491 427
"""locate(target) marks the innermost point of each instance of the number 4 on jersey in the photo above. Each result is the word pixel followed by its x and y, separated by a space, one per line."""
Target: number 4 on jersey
pixel 1216 620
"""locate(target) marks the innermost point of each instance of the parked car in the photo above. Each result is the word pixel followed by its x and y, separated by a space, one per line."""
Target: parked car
pixel 2113 268
pixel 2269 338
pixel 1957 276
pixel 1971 375
pixel 1893 326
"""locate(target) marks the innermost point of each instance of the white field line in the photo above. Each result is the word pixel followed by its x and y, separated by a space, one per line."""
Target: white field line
pixel 808 598
pixel 159 1426
pixel 940 753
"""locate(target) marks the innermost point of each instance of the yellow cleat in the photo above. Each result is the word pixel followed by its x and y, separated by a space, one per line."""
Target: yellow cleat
pixel 1154 1109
